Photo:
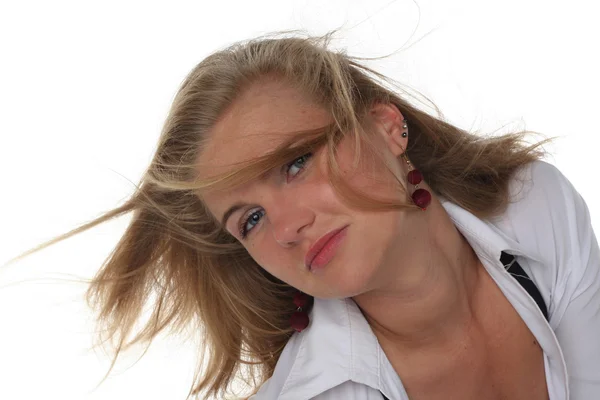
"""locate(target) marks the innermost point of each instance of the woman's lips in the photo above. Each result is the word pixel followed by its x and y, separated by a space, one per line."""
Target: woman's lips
pixel 324 249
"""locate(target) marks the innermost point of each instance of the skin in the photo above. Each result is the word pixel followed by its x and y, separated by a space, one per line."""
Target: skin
pixel 416 279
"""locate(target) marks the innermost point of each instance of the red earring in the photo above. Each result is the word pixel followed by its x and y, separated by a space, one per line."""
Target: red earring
pixel 299 319
pixel 420 197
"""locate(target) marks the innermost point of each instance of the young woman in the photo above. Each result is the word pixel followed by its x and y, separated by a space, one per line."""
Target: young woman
pixel 332 241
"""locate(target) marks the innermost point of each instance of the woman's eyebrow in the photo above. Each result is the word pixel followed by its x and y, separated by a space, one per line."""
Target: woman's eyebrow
pixel 231 210
pixel 236 206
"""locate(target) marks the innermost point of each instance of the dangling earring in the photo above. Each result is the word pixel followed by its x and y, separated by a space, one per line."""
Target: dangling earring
pixel 299 319
pixel 420 197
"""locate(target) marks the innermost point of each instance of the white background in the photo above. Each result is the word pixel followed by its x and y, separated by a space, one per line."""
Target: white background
pixel 85 87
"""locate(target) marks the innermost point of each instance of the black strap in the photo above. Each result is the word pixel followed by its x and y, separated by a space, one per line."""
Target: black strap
pixel 517 272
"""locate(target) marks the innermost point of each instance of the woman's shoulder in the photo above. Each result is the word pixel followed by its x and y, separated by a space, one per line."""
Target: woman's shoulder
pixel 272 387
pixel 549 218
pixel 539 185
pixel 543 206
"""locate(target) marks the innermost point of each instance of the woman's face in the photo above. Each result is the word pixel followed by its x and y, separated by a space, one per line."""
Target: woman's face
pixel 284 214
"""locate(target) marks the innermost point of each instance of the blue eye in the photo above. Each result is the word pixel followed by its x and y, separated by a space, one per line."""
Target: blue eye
pixel 250 222
pixel 299 163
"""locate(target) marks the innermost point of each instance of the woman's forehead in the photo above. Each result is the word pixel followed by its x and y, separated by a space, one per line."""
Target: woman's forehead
pixel 260 119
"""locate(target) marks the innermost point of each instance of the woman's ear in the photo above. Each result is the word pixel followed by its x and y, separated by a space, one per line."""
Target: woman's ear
pixel 389 122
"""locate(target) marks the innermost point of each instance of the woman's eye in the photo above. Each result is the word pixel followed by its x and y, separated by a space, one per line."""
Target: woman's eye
pixel 250 222
pixel 298 164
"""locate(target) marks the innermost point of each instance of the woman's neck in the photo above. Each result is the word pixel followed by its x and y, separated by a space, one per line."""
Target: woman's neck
pixel 427 301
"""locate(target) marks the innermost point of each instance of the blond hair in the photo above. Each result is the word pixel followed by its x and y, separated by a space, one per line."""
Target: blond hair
pixel 199 274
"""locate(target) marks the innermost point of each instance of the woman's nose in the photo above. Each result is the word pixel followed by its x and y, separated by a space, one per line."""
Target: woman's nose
pixel 289 221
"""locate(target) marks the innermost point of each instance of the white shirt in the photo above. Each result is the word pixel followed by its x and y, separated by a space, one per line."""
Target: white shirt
pixel 547 227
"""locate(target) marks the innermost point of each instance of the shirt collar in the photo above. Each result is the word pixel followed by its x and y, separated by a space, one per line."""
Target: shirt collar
pixel 486 236
pixel 337 346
